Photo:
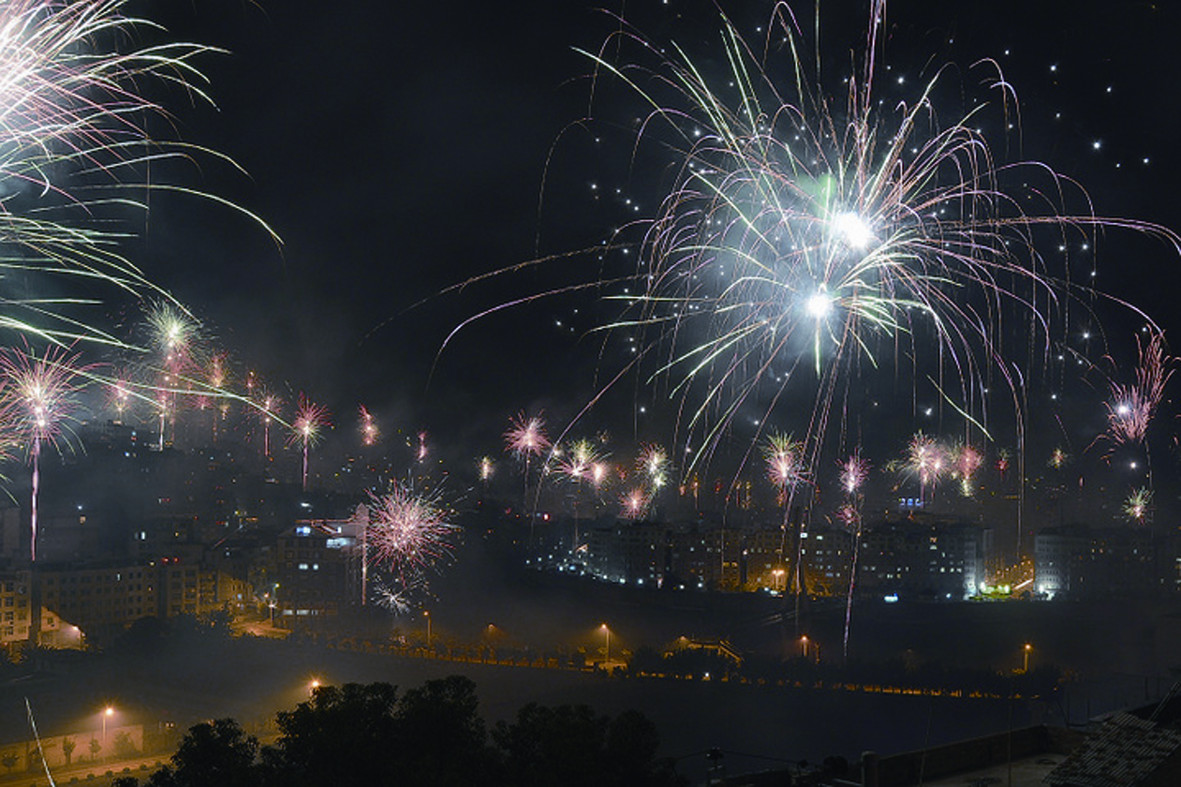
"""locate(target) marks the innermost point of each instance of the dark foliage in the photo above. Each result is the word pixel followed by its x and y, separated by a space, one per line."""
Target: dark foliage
pixel 363 735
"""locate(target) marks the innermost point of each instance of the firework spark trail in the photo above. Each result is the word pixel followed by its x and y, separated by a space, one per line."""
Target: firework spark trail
pixel 853 472
pixel 41 397
pixel 409 535
pixel 74 142
pixel 310 419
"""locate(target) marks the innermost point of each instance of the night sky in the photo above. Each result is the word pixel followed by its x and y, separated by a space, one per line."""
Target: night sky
pixel 399 150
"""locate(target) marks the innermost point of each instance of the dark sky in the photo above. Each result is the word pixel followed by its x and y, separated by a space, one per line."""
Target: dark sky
pixel 400 149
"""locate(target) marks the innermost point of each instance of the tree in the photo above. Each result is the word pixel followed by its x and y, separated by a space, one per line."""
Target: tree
pixel 441 734
pixel 123 745
pixel 342 736
pixel 211 753
pixel 572 746
pixel 68 746
pixel 95 748
pixel 9 760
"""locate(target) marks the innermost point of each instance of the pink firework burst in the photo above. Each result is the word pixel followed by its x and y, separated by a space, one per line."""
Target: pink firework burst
pixel 1132 407
pixel 40 398
pixel 310 419
pixel 966 460
pixel 368 427
pixel 925 460
pixel 854 471
pixel 408 534
pixel 634 504
pixel 526 436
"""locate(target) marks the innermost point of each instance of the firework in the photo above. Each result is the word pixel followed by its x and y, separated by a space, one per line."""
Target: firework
pixel 119 396
pixel 653 462
pixel 1138 506
pixel 310 419
pixel 526 439
pixel 368 428
pixel 408 535
pixel 41 395
pixel 965 461
pixel 526 436
pixel 1133 406
pixel 634 504
pixel 853 472
pixel 785 462
pixel 267 406
pixel 806 236
pixel 73 141
pixel 1058 459
pixel 487 468
pixel 926 461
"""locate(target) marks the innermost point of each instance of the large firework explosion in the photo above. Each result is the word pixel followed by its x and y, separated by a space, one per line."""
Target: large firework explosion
pixel 408 536
pixel 74 111
pixel 809 238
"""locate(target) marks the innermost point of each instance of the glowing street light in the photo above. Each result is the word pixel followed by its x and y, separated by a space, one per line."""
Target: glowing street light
pixel 314 684
pixel 804 645
pixel 1025 654
pixel 107 713
pixel 607 633
pixel 426 613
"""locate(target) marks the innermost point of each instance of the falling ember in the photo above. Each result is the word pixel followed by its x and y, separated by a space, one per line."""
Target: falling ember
pixel 1058 459
pixel 486 468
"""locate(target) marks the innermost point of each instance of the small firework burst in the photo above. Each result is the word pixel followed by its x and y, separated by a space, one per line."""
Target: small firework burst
pixel 526 436
pixel 310 420
pixel 785 462
pixel 368 427
pixel 1138 506
pixel 854 471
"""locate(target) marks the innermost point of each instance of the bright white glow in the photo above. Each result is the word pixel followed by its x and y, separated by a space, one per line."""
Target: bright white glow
pixel 853 229
pixel 819 305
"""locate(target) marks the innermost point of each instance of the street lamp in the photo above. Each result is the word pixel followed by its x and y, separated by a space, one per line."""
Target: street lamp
pixel 427 614
pixel 107 712
pixel 1025 653
pixel 313 685
pixel 804 644
pixel 607 632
